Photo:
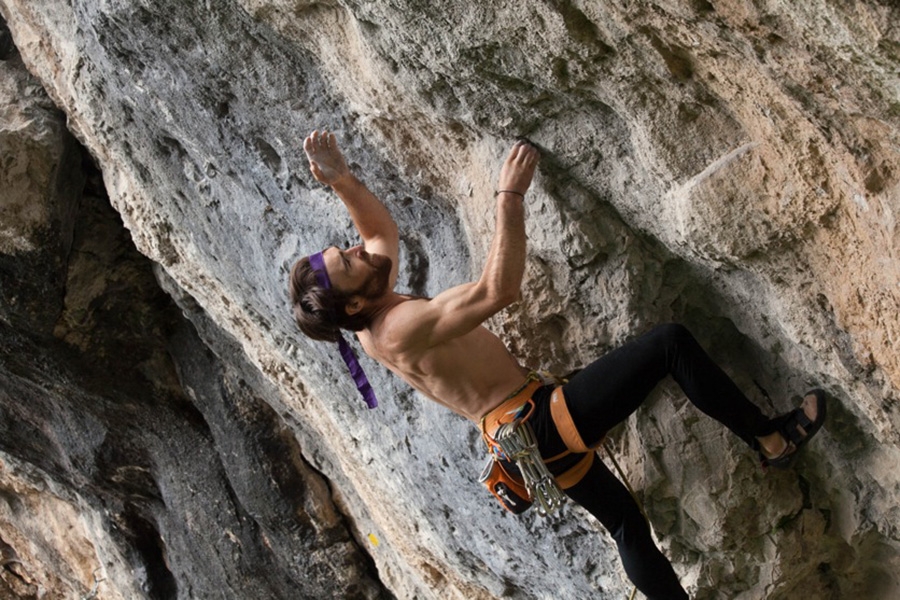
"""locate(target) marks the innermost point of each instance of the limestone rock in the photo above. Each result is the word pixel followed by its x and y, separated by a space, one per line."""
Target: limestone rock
pixel 727 164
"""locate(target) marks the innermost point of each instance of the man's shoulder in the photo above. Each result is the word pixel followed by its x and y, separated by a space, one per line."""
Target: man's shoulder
pixel 406 305
pixel 400 327
pixel 404 313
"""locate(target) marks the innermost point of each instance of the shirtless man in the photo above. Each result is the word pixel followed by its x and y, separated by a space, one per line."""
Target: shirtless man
pixel 440 347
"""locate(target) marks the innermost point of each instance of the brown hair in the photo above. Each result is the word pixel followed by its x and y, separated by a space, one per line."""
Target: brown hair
pixel 320 312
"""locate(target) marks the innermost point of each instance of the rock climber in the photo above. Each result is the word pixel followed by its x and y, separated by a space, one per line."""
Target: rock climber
pixel 441 348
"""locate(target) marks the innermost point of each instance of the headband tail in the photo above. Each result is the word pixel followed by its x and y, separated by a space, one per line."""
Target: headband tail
pixel 356 371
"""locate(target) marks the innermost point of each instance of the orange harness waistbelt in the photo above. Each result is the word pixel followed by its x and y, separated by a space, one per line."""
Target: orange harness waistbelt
pixel 506 411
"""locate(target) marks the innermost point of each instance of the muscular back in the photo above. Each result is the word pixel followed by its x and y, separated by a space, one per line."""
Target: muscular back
pixel 470 373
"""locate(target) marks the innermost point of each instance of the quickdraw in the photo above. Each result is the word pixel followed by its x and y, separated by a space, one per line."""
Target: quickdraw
pixel 517 443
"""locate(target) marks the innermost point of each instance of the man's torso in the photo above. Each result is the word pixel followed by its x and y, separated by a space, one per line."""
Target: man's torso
pixel 469 374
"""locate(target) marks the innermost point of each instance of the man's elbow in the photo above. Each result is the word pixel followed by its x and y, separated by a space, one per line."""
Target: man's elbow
pixel 389 233
pixel 495 294
pixel 506 295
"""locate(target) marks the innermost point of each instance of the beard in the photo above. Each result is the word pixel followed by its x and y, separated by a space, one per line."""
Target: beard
pixel 376 284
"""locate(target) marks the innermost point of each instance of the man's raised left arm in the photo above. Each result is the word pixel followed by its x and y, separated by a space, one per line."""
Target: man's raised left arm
pixel 370 216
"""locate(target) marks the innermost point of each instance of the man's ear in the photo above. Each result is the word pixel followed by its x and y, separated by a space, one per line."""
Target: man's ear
pixel 354 305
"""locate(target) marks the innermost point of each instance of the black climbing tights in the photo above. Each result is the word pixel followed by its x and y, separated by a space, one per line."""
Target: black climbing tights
pixel 604 496
pixel 604 394
pixel 608 390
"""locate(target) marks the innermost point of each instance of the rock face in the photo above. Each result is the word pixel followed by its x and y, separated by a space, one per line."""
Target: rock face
pixel 166 431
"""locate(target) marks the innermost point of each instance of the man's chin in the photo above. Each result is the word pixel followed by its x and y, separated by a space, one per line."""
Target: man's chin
pixel 377 285
pixel 379 260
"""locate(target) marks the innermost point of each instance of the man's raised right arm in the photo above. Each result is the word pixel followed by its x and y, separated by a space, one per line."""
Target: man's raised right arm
pixel 501 277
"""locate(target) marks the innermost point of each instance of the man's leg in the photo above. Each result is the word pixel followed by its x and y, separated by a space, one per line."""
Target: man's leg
pixel 604 496
pixel 607 391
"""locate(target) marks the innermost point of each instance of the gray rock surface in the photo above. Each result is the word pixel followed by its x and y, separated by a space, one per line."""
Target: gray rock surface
pixel 727 164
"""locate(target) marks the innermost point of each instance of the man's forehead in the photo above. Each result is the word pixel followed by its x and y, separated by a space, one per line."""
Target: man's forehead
pixel 332 263
pixel 330 252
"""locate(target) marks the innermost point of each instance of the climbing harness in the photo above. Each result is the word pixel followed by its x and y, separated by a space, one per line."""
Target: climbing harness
pixel 509 490
pixel 510 441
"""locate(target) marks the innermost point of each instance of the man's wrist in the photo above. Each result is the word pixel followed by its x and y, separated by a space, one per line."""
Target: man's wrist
pixel 519 194
pixel 345 180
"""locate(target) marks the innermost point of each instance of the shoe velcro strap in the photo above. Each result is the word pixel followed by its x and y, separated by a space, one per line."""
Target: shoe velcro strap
pixel 793 421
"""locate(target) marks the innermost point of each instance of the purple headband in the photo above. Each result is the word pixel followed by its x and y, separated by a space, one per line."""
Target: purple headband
pixel 317 262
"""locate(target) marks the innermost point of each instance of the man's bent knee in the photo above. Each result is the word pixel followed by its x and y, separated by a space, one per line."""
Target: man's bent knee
pixel 672 333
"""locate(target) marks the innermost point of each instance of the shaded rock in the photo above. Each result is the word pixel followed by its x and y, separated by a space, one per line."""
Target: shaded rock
pixel 112 409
